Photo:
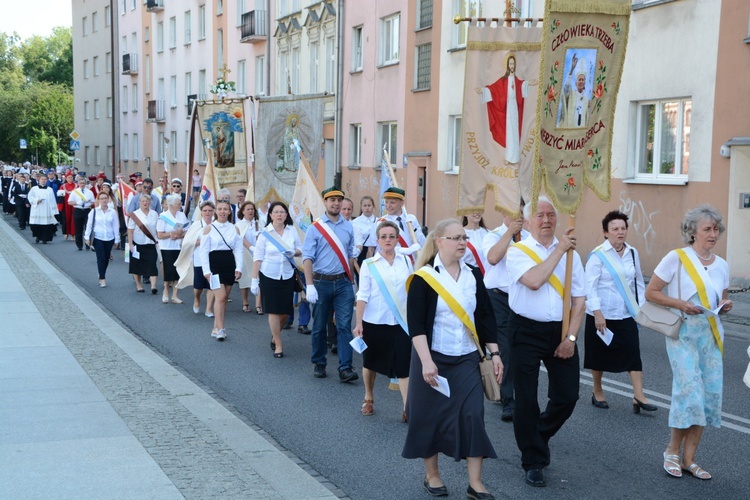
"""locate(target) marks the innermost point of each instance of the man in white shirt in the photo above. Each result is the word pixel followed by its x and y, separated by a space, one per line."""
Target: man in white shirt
pixel 81 199
pixel 536 268
pixel 495 246
pixel 394 207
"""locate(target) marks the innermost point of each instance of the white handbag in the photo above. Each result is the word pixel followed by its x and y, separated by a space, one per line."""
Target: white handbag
pixel 661 319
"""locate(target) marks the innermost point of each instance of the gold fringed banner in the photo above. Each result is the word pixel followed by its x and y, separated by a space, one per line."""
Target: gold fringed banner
pixel 222 126
pixel 499 117
pixel 583 52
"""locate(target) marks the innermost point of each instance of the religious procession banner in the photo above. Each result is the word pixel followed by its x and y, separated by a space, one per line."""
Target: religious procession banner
pixel 222 126
pixel 499 117
pixel 582 58
pixel 281 121
pixel 307 204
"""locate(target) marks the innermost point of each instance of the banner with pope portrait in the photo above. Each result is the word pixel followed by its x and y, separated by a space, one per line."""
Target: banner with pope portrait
pixel 499 117
pixel 583 52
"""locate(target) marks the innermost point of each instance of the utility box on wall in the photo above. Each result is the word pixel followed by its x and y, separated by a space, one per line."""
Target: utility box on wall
pixel 744 200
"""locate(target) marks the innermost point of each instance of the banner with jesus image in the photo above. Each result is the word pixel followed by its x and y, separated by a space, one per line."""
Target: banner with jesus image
pixel 222 126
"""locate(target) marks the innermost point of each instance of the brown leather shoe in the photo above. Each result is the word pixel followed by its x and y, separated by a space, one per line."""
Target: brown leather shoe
pixel 367 408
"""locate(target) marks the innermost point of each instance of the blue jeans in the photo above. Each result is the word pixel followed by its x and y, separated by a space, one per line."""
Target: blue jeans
pixel 339 296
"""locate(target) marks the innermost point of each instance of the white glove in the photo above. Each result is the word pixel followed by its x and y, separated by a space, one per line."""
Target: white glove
pixel 289 254
pixel 416 247
pixel 255 286
pixel 312 294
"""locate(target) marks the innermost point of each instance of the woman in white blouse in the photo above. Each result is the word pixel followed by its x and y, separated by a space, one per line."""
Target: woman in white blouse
pixel 248 226
pixel 381 316
pixel 105 227
pixel 476 231
pixel 189 262
pixel 612 304
pixel 171 228
pixel 142 235
pixel 363 227
pixel 221 258
pixel 273 273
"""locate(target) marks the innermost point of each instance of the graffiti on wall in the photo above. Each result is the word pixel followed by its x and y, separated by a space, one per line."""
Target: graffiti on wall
pixel 640 219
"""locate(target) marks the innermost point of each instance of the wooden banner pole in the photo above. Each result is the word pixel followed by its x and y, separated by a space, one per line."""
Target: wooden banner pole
pixel 568 281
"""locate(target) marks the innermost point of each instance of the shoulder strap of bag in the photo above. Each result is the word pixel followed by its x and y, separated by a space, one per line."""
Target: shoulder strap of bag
pixel 635 276
pixel 222 237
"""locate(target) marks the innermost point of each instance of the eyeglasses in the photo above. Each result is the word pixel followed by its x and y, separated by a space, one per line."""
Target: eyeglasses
pixel 459 237
pixel 388 237
pixel 176 185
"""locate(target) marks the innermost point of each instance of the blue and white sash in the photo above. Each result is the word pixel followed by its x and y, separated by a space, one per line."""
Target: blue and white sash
pixel 617 272
pixel 398 308
pixel 279 243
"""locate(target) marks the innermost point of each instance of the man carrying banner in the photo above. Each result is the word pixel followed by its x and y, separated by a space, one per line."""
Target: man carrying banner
pixel 495 246
pixel 536 268
pixel 409 227
pixel 327 258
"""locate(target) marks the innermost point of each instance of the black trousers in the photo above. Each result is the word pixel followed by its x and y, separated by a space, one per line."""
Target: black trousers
pixel 79 222
pixel 22 213
pixel 499 301
pixel 103 250
pixel 535 342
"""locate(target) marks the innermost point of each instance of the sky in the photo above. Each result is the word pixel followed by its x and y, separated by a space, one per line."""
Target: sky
pixel 34 17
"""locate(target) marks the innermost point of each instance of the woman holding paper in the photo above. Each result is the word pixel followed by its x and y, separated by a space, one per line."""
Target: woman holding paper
pixel 699 292
pixel 171 228
pixel 381 316
pixel 448 313
pixel 142 238
pixel 616 291
pixel 273 270
pixel 102 233
pixel 248 226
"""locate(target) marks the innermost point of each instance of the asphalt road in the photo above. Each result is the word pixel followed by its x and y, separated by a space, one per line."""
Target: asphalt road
pixel 597 454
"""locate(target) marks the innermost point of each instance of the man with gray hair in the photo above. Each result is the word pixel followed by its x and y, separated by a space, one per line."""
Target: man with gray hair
pixel 536 267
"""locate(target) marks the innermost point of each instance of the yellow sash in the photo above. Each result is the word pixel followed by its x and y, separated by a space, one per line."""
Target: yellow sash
pixel 428 274
pixel 702 295
pixel 553 279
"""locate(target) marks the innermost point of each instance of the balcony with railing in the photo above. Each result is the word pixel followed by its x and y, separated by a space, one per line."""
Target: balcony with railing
pixel 154 5
pixel 130 64
pixel 253 26
pixel 156 111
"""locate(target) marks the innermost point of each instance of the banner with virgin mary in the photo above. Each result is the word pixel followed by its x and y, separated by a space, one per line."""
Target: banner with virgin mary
pixel 222 126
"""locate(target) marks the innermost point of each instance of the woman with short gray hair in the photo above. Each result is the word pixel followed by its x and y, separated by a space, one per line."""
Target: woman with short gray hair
pixel 696 282
pixel 170 229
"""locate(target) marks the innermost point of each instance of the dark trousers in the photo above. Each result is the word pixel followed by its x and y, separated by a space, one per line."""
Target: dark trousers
pixel 79 222
pixel 22 212
pixel 533 342
pixel 499 301
pixel 103 250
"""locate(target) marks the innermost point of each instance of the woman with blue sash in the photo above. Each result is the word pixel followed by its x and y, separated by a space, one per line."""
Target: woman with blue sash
pixel 616 291
pixel 381 316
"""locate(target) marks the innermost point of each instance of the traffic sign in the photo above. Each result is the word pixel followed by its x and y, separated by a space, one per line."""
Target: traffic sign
pixel 74 135
pixel 75 145
pixel 22 144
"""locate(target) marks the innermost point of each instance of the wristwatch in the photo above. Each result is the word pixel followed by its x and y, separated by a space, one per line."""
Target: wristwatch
pixel 572 338
pixel 494 353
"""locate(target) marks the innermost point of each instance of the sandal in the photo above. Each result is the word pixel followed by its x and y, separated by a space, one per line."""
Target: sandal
pixel 367 408
pixel 259 311
pixel 245 308
pixel 696 471
pixel 672 465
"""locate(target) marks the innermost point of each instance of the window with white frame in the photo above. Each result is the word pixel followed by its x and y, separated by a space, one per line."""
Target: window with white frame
pixel 87 155
pixel 219 7
pixel 202 22
pixel 94 22
pixel 135 98
pixel 295 70
pixel 124 44
pixel 85 68
pixel 188 83
pixel 173 146
pixel 187 146
pixel 97 156
pixel 109 107
pixel 424 14
pixel 202 153
pixel 220 46
pixel 260 75
pixel 423 67
pixel 172 32
pixel 125 153
pixel 188 26
pixel 663 139
pixel 96 65
pixel 160 147
pixel 107 16
pixel 357 48
pixel 147 34
pixel 464 8
pixel 240 11
pixel 124 98
pixel 283 80
pixel 147 74
pixel 201 83
pixel 241 78
pixel 454 144
pixel 173 91
pixel 108 62
pixel 355 144
pixel 330 65
pixel 389 39
pixel 135 147
pixel 109 155
pixel 132 4
pixel 97 109
pixel 160 90
pixel 85 25
pixel 86 111
pixel 388 137
pixel 122 6
pixel 314 66
pixel 160 36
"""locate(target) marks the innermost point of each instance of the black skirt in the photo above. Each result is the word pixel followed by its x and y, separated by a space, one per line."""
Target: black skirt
pixel 43 232
pixel 277 295
pixel 222 263
pixel 623 354
pixel 168 258
pixel 199 281
pixel 453 426
pixel 145 264
pixel 388 350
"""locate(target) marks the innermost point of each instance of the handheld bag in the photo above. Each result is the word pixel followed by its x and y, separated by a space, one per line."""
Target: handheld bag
pixel 660 319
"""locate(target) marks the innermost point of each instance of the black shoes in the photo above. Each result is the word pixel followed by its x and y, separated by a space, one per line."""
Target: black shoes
pixel 278 355
pixel 287 326
pixel 273 345
pixel 304 330
pixel 639 405
pixel 319 371
pixel 507 414
pixel 438 491
pixel 348 375
pixel 470 493
pixel 535 478
pixel 599 404
pixel 333 348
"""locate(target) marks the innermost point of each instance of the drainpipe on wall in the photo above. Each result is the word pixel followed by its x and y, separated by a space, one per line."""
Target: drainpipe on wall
pixel 339 94
pixel 113 72
pixel 268 48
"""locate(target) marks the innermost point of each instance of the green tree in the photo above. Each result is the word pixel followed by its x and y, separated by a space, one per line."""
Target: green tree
pixel 49 59
pixel 11 72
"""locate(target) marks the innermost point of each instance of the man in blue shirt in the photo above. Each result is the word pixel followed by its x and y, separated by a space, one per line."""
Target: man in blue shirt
pixel 327 256
pixel 148 185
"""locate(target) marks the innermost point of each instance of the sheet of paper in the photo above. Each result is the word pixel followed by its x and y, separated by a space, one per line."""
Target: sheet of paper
pixel 606 336
pixel 443 387
pixel 135 253
pixel 214 282
pixel 711 312
pixel 358 344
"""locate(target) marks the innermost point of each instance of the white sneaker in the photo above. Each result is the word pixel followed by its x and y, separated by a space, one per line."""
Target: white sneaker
pixel 209 315
pixel 214 334
pixel 197 310
pixel 221 334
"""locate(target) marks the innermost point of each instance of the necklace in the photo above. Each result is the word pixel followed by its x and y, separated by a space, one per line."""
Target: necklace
pixel 710 255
